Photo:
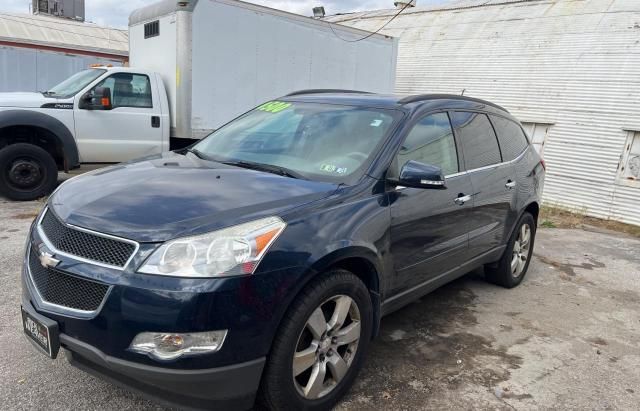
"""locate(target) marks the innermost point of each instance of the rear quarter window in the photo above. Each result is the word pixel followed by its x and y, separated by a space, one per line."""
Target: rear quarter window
pixel 510 136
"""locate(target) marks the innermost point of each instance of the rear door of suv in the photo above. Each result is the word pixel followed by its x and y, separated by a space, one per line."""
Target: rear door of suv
pixel 513 145
pixel 492 179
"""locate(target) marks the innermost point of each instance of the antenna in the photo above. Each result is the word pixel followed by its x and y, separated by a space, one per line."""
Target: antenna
pixel 463 90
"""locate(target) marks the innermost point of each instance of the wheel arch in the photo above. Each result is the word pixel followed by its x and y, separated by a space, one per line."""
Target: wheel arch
pixel 47 128
pixel 534 209
pixel 361 261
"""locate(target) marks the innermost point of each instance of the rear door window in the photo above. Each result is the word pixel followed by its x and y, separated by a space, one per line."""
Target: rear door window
pixel 510 136
pixel 478 140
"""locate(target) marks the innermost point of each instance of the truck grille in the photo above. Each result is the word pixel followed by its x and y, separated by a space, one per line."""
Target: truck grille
pixel 85 245
pixel 59 288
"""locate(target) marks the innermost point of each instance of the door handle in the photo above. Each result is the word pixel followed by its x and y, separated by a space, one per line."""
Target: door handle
pixel 510 185
pixel 460 200
pixel 155 121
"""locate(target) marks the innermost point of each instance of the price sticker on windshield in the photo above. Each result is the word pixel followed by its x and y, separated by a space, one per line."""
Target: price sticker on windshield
pixel 274 106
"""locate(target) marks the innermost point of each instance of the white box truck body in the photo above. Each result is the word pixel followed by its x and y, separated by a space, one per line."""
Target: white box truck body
pixel 194 66
pixel 220 58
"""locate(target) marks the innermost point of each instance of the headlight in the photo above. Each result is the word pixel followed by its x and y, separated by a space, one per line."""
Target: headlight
pixel 231 251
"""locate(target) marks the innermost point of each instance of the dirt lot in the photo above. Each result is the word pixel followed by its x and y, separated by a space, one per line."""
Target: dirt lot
pixel 567 338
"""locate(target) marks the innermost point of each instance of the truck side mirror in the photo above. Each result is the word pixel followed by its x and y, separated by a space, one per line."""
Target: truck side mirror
pixel 97 99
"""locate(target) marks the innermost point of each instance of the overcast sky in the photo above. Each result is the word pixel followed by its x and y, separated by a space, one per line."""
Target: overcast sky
pixel 116 12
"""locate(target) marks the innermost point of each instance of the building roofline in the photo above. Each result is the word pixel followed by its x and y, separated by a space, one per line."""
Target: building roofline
pixel 336 18
pixel 65 34
pixel 60 48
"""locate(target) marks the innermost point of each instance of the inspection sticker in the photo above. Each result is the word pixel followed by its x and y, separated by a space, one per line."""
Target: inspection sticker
pixel 274 106
pixel 330 168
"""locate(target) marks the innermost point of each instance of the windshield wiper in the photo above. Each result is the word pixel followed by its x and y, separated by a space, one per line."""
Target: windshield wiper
pixel 198 154
pixel 269 168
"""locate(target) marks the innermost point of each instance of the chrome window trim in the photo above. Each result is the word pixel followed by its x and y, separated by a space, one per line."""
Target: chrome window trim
pixel 46 241
pixel 490 166
pixel 461 173
pixel 61 309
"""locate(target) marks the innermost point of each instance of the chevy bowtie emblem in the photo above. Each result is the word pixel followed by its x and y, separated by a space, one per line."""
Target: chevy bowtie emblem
pixel 47 260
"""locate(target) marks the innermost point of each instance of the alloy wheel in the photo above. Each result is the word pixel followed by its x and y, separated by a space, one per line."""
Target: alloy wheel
pixel 521 249
pixel 326 347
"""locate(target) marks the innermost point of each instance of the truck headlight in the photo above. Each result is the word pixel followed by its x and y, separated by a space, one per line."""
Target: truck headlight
pixel 169 346
pixel 231 251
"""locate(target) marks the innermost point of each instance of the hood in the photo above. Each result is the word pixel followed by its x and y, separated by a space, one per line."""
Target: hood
pixel 24 100
pixel 173 195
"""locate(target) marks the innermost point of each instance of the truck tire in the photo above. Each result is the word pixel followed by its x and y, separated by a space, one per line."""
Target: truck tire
pixel 27 172
pixel 320 345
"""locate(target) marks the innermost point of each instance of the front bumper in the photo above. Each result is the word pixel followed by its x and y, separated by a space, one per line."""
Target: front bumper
pixel 232 387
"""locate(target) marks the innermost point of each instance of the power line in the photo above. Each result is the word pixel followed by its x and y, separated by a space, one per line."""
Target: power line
pixel 4 17
pixel 375 32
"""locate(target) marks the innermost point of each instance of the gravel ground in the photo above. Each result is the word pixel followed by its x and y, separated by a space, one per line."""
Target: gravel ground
pixel 567 338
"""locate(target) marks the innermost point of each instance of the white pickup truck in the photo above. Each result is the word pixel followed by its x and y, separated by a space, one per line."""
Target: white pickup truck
pixel 196 64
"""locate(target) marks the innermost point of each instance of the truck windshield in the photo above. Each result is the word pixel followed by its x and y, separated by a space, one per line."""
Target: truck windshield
pixel 72 85
pixel 322 142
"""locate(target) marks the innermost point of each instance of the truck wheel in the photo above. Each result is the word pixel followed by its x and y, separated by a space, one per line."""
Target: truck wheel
pixel 27 172
pixel 320 345
pixel 512 267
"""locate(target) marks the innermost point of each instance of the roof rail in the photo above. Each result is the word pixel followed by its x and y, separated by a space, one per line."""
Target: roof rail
pixel 423 97
pixel 325 91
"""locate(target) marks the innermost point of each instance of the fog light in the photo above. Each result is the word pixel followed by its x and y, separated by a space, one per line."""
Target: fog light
pixel 169 346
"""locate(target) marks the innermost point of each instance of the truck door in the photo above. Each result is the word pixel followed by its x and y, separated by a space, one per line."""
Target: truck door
pixel 129 128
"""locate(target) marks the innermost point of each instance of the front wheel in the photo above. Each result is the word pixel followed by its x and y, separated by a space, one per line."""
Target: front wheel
pixel 27 172
pixel 320 345
pixel 512 267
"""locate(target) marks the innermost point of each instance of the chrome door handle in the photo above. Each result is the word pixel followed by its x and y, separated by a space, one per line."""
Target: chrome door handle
pixel 510 185
pixel 461 200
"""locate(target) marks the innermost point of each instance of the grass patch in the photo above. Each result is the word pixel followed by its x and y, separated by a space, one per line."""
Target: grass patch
pixel 548 224
pixel 558 217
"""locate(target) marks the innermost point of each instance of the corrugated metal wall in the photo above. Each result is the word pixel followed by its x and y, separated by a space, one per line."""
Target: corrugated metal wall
pixel 23 69
pixel 572 63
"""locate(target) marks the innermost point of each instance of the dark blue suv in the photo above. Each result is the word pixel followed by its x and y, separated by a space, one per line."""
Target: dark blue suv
pixel 258 262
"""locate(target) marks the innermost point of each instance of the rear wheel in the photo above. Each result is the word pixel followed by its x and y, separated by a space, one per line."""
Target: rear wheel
pixel 512 267
pixel 27 172
pixel 320 345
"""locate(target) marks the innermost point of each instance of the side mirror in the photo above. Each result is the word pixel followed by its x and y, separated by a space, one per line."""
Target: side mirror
pixel 97 99
pixel 418 175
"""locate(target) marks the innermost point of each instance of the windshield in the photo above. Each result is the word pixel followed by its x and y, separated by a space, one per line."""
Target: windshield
pixel 315 141
pixel 74 84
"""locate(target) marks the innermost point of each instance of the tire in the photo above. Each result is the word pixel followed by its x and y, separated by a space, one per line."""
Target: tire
pixel 502 272
pixel 27 172
pixel 280 389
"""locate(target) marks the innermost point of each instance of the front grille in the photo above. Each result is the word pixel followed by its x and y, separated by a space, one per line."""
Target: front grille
pixel 59 288
pixel 85 245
